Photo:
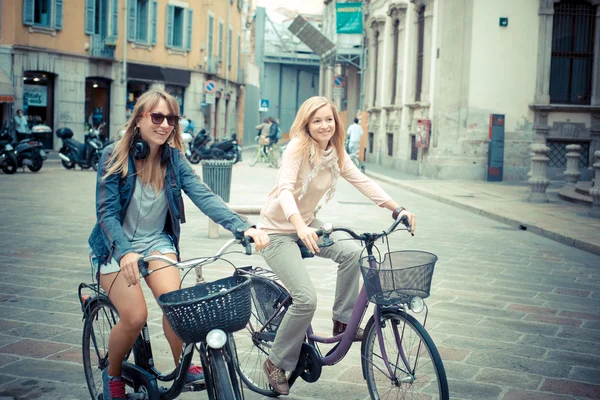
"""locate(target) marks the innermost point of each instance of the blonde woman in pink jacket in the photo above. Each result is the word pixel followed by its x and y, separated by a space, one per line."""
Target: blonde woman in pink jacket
pixel 310 167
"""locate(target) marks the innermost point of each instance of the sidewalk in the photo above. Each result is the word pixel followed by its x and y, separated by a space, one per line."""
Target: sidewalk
pixel 506 202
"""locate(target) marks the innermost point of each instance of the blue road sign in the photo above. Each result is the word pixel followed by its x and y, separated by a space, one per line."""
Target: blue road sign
pixel 338 81
pixel 264 105
pixel 210 86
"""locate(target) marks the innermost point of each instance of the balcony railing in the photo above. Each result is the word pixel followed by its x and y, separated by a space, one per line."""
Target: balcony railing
pixel 102 47
pixel 212 65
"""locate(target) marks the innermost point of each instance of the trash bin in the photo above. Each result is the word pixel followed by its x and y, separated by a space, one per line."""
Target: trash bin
pixel 217 175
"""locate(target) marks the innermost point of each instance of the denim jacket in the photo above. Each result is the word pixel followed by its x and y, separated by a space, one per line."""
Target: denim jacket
pixel 114 194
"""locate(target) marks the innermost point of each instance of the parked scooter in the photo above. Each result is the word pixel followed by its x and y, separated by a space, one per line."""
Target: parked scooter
pixel 29 151
pixel 8 159
pixel 73 152
pixel 224 150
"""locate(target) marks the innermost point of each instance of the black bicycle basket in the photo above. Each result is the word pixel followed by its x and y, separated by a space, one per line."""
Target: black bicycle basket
pixel 399 277
pixel 193 312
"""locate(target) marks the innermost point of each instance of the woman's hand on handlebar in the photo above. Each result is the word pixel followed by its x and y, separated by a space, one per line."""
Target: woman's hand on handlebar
pixel 309 237
pixel 259 237
pixel 410 218
pixel 130 269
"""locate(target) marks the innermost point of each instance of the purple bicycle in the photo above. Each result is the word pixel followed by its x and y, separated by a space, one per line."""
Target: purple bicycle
pixel 399 359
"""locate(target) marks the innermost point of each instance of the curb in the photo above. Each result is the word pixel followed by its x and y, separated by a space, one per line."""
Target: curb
pixel 569 241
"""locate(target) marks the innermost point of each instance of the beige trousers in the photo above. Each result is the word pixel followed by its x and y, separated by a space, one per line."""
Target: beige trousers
pixel 283 257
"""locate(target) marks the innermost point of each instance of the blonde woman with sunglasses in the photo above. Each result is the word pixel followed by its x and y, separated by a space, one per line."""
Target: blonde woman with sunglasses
pixel 139 208
pixel 310 167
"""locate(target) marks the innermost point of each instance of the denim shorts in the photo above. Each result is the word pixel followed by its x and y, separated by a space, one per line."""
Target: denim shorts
pixel 164 245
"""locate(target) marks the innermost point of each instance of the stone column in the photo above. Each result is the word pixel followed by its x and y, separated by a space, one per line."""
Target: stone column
pixel 595 190
pixel 539 182
pixel 572 172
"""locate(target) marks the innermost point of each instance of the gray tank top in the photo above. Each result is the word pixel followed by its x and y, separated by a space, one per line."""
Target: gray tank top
pixel 145 217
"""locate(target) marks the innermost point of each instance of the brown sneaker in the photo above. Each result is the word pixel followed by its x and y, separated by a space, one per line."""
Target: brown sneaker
pixel 340 327
pixel 276 377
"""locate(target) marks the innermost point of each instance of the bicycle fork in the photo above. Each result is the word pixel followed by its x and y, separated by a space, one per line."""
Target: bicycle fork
pixel 398 336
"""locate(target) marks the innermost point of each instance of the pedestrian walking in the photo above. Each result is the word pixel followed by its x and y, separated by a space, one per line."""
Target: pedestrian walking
pixel 354 134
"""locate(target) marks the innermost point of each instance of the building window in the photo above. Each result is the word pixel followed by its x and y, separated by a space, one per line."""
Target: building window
pixel 220 44
pixel 43 13
pixel 572 52
pixel 414 151
pixel 420 45
pixel 179 27
pixel 209 45
pixel 239 57
pixel 141 21
pixel 390 144
pixel 141 31
pixel 371 140
pixel 396 39
pixel 229 44
pixel 558 153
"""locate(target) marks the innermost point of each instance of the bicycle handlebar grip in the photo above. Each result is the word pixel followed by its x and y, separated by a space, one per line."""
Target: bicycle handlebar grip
pixel 143 266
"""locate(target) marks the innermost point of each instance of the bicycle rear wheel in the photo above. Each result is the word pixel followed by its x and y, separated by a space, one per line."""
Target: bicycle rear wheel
pixel 253 157
pixel 102 316
pixel 416 365
pixel 251 351
pixel 275 156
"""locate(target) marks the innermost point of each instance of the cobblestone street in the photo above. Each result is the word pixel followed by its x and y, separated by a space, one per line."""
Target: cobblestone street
pixel 514 315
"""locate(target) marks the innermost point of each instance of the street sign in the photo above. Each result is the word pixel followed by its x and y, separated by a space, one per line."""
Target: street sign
pixel 210 86
pixel 338 92
pixel 210 98
pixel 264 105
pixel 338 81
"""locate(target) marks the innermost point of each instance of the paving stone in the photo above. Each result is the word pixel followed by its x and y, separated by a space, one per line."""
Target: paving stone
pixel 579 315
pixel 44 389
pixel 72 354
pixel 478 310
pixel 553 320
pixel 570 358
pixel 554 343
pixel 6 325
pixel 51 318
pixel 508 379
pixel 592 325
pixel 477 344
pixel 532 309
pixel 7 339
pixel 460 371
pixel 572 292
pixel 516 394
pixel 518 326
pixel 38 331
pixel 519 364
pixel 3 380
pixel 33 348
pixel 477 332
pixel 473 390
pixel 589 375
pixel 571 388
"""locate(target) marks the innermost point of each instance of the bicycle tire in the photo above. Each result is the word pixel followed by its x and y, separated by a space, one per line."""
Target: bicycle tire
pixel 275 156
pixel 420 351
pixel 251 352
pixel 253 159
pixel 106 316
pixel 222 385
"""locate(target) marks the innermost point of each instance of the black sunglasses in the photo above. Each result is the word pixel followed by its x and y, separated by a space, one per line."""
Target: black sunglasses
pixel 158 118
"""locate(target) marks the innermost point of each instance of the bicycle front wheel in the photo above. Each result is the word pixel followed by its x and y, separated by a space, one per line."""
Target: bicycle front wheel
pixel 254 157
pixel 275 156
pixel 416 367
pixel 223 388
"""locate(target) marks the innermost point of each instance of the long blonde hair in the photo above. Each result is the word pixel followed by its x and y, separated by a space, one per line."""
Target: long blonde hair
pixel 300 131
pixel 153 172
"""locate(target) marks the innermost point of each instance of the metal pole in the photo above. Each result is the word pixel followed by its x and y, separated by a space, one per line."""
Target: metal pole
pixel 124 76
pixel 228 42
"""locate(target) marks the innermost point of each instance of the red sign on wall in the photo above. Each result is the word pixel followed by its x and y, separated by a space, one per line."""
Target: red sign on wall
pixel 423 133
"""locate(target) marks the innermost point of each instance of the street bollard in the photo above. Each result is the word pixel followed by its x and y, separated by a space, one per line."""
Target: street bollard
pixel 595 190
pixel 572 172
pixel 539 182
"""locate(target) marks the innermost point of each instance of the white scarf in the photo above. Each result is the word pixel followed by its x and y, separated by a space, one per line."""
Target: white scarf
pixel 328 160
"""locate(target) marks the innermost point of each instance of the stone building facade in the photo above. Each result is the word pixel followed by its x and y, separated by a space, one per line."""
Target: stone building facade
pixel 444 67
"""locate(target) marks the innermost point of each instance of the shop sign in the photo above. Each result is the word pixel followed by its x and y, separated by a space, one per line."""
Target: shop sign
pixel 35 95
pixel 348 17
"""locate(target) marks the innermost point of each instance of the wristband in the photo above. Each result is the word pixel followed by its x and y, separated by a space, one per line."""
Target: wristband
pixel 397 212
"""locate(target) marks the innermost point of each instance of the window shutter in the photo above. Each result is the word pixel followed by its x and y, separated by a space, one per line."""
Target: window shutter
pixel 154 20
pixel 90 17
pixel 28 12
pixel 188 39
pixel 58 14
pixel 131 20
pixel 169 32
pixel 114 29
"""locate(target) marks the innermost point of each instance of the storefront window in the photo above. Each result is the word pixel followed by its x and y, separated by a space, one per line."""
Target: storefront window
pixel 97 103
pixel 38 96
pixel 136 88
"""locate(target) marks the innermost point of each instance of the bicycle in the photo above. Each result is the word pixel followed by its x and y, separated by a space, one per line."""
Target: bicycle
pixel 398 356
pixel 355 159
pixel 267 153
pixel 202 316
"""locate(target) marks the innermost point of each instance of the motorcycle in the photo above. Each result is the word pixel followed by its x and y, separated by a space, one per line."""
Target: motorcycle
pixel 8 159
pixel 73 152
pixel 224 150
pixel 29 151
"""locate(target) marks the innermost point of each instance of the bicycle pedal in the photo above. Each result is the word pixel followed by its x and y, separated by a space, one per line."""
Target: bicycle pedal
pixel 194 387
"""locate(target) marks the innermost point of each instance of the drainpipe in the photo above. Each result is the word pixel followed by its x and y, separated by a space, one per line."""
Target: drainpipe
pixel 229 40
pixel 124 77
